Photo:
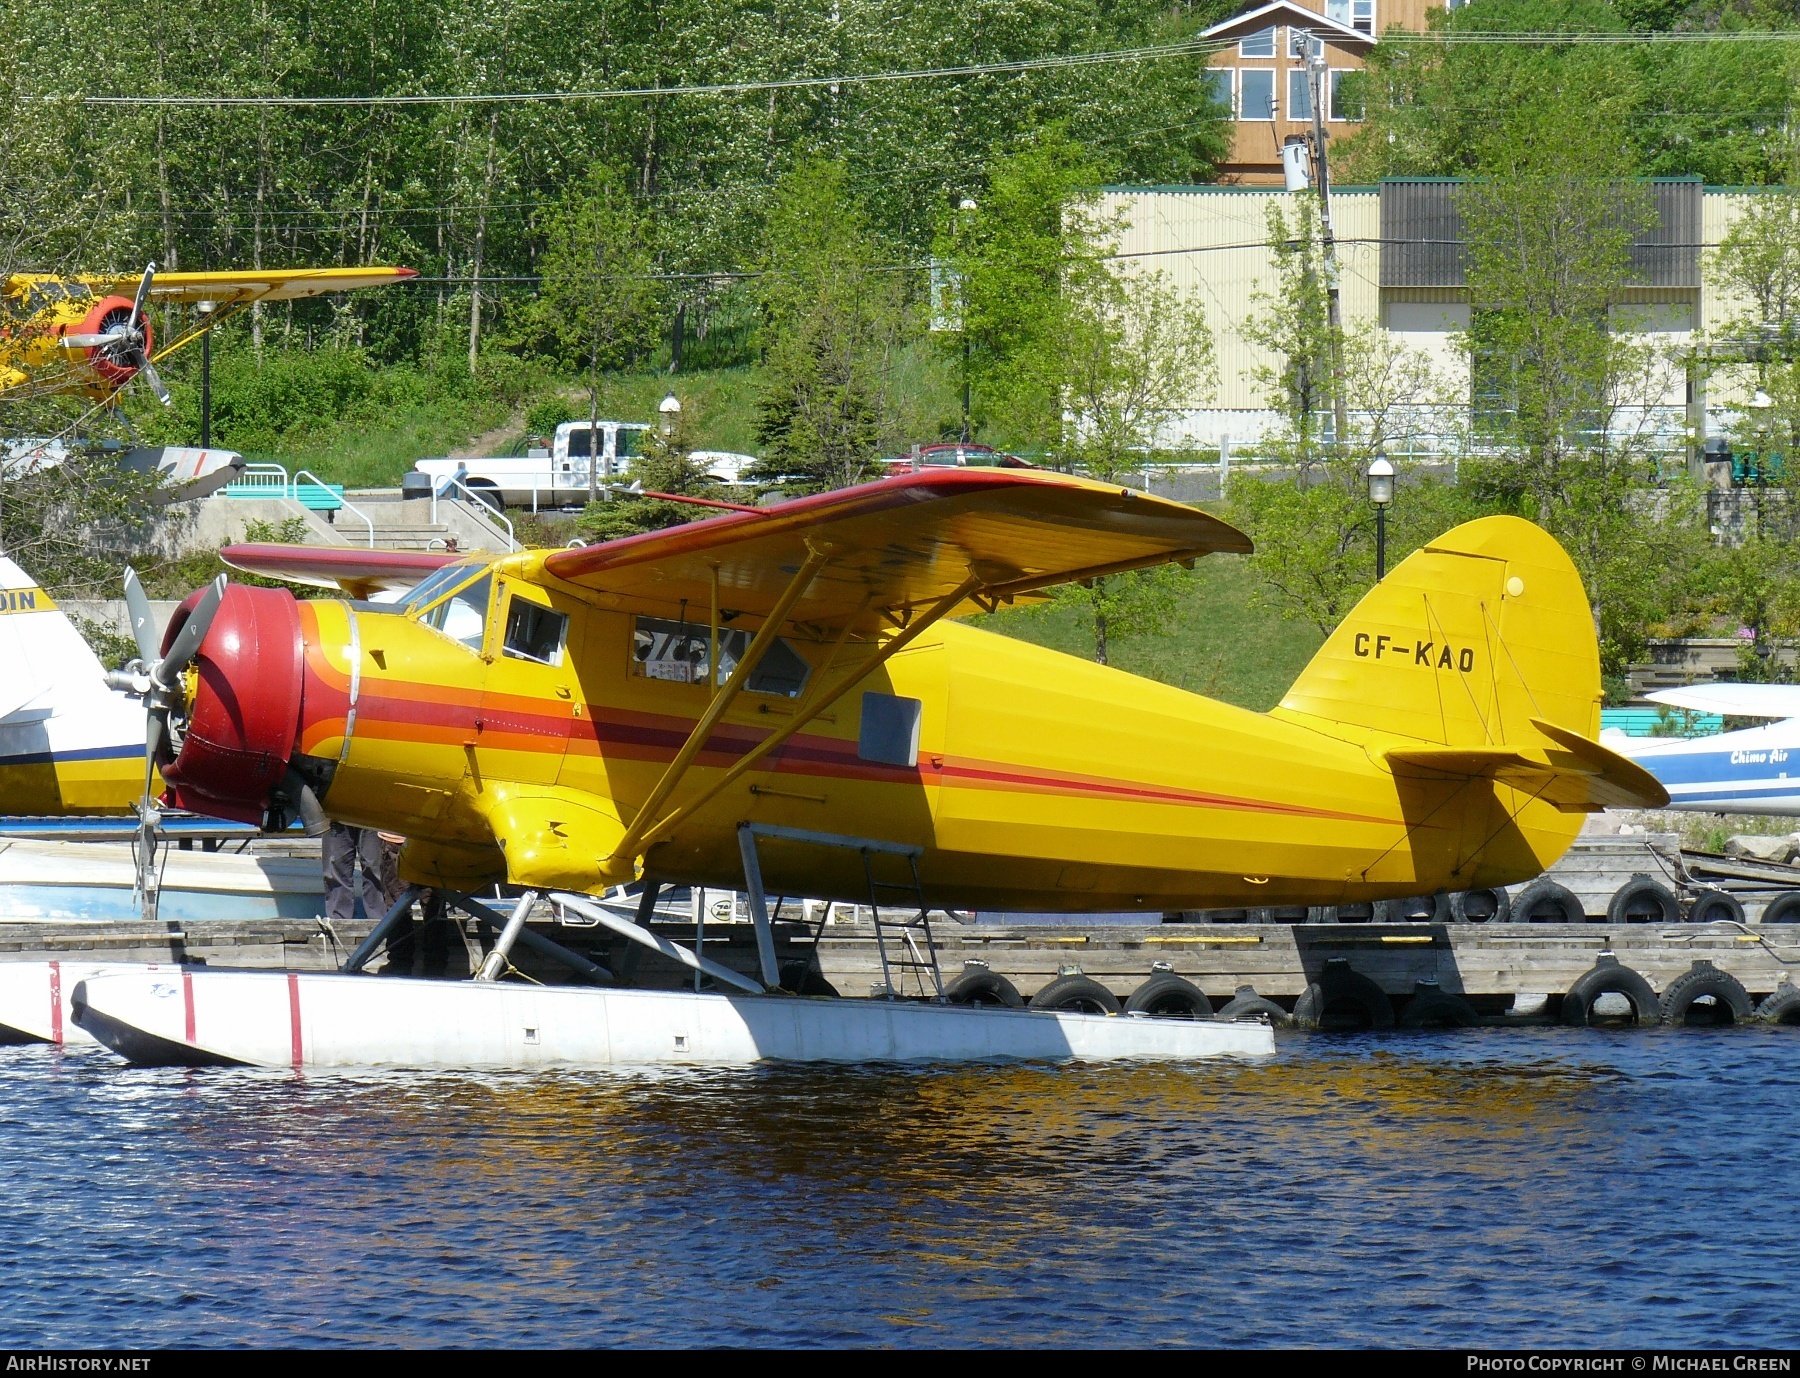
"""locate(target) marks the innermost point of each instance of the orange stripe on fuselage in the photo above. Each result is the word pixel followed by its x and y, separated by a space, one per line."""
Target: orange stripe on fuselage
pixel 446 716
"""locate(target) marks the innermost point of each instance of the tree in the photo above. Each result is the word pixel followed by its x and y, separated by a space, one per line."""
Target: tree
pixel 599 299
pixel 1565 385
pixel 836 319
pixel 666 464
pixel 1029 246
pixel 1311 520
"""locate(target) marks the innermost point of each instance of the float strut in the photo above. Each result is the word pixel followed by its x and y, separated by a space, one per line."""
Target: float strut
pixel 534 942
pixel 496 960
pixel 759 907
pixel 379 934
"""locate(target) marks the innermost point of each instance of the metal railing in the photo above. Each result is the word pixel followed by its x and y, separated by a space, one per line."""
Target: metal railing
pixel 259 478
pixel 317 482
pixel 487 509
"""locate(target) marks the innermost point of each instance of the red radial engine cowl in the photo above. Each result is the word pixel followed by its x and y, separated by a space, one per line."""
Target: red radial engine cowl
pixel 107 314
pixel 246 709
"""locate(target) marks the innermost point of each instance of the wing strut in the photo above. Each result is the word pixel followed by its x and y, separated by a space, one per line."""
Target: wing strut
pixel 815 706
pixel 632 843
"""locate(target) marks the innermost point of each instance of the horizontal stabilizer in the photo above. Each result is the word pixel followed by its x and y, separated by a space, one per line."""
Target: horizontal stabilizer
pixel 1736 700
pixel 1573 773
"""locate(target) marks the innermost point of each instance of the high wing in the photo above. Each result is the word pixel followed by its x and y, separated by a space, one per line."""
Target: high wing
pixel 900 544
pixel 1575 774
pixel 1735 700
pixel 279 284
pixel 358 573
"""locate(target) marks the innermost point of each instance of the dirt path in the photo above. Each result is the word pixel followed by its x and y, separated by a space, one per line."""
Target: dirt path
pixel 480 446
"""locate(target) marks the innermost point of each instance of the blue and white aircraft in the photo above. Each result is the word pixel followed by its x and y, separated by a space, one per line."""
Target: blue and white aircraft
pixel 1756 770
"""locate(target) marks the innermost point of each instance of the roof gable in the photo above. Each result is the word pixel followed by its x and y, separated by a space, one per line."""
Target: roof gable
pixel 1286 12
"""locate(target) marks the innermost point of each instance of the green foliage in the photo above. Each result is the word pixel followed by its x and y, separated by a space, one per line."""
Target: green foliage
pixel 1030 239
pixel 1672 109
pixel 836 325
pixel 112 646
pixel 1221 640
pixel 1135 602
pixel 1310 515
pixel 73 525
pixel 597 305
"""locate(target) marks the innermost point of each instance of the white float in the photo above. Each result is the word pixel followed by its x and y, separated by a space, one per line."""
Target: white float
pixel 35 998
pixel 294 1019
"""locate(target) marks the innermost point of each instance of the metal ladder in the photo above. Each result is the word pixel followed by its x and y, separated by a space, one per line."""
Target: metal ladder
pixel 904 933
pixel 907 961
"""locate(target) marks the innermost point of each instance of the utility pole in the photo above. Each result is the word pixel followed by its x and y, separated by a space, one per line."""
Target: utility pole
pixel 1319 82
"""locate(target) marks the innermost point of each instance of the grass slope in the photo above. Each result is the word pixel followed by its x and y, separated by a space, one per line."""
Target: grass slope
pixel 1219 644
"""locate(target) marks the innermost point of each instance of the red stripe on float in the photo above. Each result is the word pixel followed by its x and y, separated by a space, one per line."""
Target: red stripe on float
pixel 294 1014
pixel 56 1002
pixel 187 999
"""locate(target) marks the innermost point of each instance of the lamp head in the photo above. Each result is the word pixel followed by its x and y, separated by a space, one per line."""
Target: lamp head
pixel 1381 481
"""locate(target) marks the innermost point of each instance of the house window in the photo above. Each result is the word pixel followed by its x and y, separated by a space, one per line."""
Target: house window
pixel 1346 97
pixel 1356 14
pixel 1258 44
pixel 1217 84
pixel 1299 102
pixel 1256 94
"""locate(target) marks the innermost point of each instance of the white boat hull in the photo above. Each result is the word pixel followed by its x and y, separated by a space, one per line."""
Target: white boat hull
pixel 292 1019
pixel 36 998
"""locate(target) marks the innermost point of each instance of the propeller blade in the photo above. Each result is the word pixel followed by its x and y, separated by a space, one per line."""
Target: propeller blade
pixel 193 632
pixel 156 729
pixel 154 379
pixel 143 621
pixel 143 291
pixel 105 337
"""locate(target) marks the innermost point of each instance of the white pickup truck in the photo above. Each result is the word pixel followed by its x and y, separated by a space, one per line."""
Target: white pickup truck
pixel 558 476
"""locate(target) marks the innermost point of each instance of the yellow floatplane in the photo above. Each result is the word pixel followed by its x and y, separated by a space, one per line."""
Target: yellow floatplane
pixel 774 697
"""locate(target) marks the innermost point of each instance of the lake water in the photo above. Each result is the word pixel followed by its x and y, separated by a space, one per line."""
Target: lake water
pixel 1493 1187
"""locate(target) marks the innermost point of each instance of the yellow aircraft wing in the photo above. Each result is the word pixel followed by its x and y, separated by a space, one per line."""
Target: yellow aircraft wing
pixel 1575 774
pixel 901 544
pixel 275 284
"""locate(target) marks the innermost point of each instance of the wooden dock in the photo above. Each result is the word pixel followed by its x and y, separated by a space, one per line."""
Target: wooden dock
pixel 1489 965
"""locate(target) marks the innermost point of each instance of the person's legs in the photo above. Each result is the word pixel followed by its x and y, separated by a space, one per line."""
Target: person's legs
pixel 338 854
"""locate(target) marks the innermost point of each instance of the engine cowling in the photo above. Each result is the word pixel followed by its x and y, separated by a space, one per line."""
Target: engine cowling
pixel 110 361
pixel 243 719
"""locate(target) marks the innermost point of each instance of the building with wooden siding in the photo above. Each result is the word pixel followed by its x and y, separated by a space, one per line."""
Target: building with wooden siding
pixel 1260 77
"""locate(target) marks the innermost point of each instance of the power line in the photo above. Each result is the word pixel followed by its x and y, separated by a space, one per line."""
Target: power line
pixel 1187 48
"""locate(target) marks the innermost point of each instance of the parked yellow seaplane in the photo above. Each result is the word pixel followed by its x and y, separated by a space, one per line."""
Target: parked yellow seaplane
pixel 90 333
pixel 775 697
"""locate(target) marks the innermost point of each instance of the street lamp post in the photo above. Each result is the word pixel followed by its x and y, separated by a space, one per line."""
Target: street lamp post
pixel 1381 493
pixel 670 408
pixel 206 309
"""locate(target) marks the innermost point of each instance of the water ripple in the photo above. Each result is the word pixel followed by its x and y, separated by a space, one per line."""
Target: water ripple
pixel 1493 1187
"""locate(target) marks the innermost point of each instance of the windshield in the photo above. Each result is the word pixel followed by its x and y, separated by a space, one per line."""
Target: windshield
pixel 463 616
pixel 435 585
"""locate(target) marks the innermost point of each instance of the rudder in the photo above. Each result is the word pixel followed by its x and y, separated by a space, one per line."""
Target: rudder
pixel 1463 644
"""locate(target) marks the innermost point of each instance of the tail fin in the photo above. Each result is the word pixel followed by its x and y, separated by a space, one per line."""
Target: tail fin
pixel 43 658
pixel 1480 648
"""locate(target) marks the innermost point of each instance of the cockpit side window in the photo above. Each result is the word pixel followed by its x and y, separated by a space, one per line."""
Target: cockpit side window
pixel 463 616
pixel 534 632
pixel 679 650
